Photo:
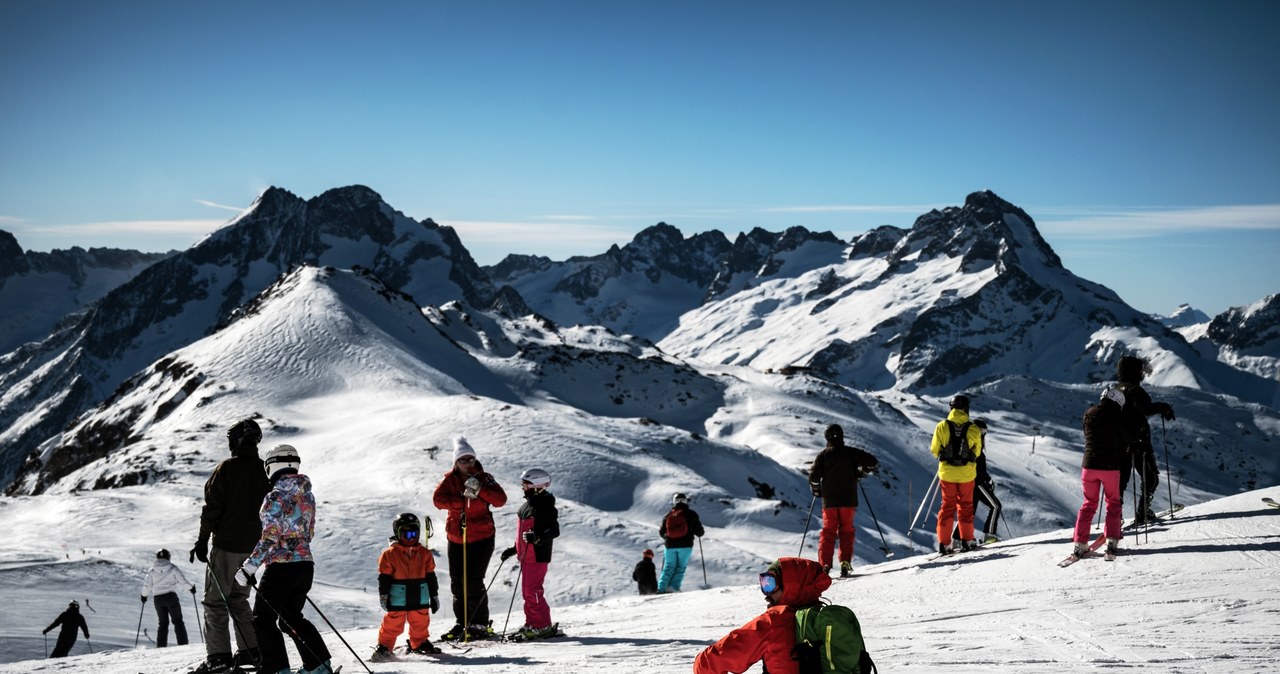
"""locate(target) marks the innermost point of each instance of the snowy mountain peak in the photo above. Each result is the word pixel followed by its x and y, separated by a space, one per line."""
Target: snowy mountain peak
pixel 1184 316
pixel 986 230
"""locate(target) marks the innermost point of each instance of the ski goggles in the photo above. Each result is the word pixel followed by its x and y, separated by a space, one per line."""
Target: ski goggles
pixel 769 583
pixel 409 534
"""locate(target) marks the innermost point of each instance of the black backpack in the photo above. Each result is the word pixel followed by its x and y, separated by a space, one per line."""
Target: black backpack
pixel 957 452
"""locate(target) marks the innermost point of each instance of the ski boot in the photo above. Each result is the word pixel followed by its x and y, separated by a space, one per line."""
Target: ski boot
pixel 214 664
pixel 382 654
pixel 455 633
pixel 1080 549
pixel 246 659
pixel 846 569
pixel 425 648
pixel 944 549
pixel 479 631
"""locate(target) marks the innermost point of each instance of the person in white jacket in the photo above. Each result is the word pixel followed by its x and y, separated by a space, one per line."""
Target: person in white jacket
pixel 163 582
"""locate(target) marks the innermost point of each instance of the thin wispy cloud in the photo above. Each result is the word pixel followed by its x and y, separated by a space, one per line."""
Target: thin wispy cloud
pixel 10 220
pixel 130 227
pixel 855 208
pixel 213 204
pixel 1142 222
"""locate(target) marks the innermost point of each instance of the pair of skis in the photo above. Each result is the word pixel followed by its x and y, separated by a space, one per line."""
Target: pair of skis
pixel 1093 547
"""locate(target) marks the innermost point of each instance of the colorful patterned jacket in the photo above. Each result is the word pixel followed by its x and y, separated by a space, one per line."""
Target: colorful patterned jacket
pixel 288 516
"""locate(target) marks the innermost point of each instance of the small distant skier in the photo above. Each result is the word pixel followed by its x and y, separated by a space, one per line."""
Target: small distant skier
pixel 467 492
pixel 1130 371
pixel 956 472
pixel 232 496
pixel 646 574
pixel 984 491
pixel 407 589
pixel 536 529
pixel 791 583
pixel 288 518
pixel 1105 442
pixel 834 478
pixel 679 527
pixel 163 581
pixel 71 620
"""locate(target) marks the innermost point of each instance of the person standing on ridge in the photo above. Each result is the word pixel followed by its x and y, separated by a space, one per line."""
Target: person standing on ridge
pixel 1130 371
pixel 288 516
pixel 680 526
pixel 957 444
pixel 537 527
pixel 163 581
pixel 467 492
pixel 232 496
pixel 71 620
pixel 984 491
pixel 834 478
pixel 1105 441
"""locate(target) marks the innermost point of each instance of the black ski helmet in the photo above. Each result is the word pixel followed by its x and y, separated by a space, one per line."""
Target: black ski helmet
pixel 74 605
pixel 960 402
pixel 406 528
pixel 834 434
pixel 244 433
pixel 1132 369
pixel 163 554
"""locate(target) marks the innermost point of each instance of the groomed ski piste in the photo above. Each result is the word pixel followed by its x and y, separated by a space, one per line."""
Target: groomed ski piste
pixel 1198 593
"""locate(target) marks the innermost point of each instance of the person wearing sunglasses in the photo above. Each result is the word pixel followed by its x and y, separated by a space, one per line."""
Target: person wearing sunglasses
pixel 789 584
pixel 467 492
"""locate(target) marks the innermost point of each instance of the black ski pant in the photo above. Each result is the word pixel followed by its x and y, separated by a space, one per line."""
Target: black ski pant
pixel 987 495
pixel 1149 478
pixel 66 639
pixel 277 610
pixel 478 554
pixel 169 608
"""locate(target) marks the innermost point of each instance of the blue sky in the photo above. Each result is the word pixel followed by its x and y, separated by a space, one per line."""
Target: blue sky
pixel 1143 137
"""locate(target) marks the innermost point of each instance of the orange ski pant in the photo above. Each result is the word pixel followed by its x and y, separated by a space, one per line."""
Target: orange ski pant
pixel 956 496
pixel 393 624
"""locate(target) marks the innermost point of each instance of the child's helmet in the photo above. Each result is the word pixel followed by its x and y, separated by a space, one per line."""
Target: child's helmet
pixel 163 554
pixel 407 529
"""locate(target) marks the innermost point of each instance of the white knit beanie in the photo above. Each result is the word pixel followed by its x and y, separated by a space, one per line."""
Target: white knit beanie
pixel 462 448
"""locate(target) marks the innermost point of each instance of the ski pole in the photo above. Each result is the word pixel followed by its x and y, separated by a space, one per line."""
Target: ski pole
pixel 807 521
pixel 89 642
pixel 46 645
pixel 211 575
pixel 703 557
pixel 519 575
pixel 883 545
pixel 1167 474
pixel 466 608
pixel 141 610
pixel 485 594
pixel 339 634
pixel 928 499
pixel 293 633
pixel 195 603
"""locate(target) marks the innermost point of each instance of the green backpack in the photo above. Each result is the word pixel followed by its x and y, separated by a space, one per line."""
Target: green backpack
pixel 829 639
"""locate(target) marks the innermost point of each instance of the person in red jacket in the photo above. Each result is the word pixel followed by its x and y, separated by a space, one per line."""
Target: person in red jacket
pixel 791 583
pixel 467 493
pixel 407 588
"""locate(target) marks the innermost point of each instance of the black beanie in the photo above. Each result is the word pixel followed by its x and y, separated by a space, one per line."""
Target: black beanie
pixel 834 434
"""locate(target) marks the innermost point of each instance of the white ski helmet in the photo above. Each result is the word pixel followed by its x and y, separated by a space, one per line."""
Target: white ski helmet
pixel 1113 394
pixel 281 457
pixel 537 477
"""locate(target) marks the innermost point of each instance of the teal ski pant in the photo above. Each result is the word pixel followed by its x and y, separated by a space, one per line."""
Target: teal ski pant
pixel 674 562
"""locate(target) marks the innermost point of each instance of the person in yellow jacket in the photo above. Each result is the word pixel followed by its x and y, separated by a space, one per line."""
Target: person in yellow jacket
pixel 957 469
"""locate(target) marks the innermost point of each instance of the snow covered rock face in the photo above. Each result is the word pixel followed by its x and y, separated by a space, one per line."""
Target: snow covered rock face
pixel 189 295
pixel 1252 330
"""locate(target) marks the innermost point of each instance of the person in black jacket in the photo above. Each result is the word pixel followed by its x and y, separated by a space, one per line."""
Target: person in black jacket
pixel 232 497
pixel 834 477
pixel 646 574
pixel 678 529
pixel 1130 372
pixel 984 491
pixel 1105 442
pixel 537 528
pixel 71 620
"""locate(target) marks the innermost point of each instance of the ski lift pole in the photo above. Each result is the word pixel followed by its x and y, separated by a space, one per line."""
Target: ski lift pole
pixel 883 544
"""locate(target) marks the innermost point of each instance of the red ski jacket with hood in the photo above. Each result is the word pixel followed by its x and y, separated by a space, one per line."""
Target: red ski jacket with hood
pixel 771 636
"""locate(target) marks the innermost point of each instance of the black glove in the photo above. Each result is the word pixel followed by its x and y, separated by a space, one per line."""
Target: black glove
pixel 193 590
pixel 200 552
pixel 508 553
pixel 435 604
pixel 1167 412
pixel 816 488
pixel 144 598
pixel 529 537
pixel 44 631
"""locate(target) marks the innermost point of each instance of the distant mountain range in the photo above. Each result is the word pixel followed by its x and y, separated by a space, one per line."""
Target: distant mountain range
pixel 967 297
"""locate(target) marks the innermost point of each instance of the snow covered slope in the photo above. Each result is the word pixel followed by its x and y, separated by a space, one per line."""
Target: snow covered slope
pixel 1197 595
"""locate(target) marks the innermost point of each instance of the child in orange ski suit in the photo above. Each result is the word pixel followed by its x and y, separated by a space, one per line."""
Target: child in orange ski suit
pixel 407 587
